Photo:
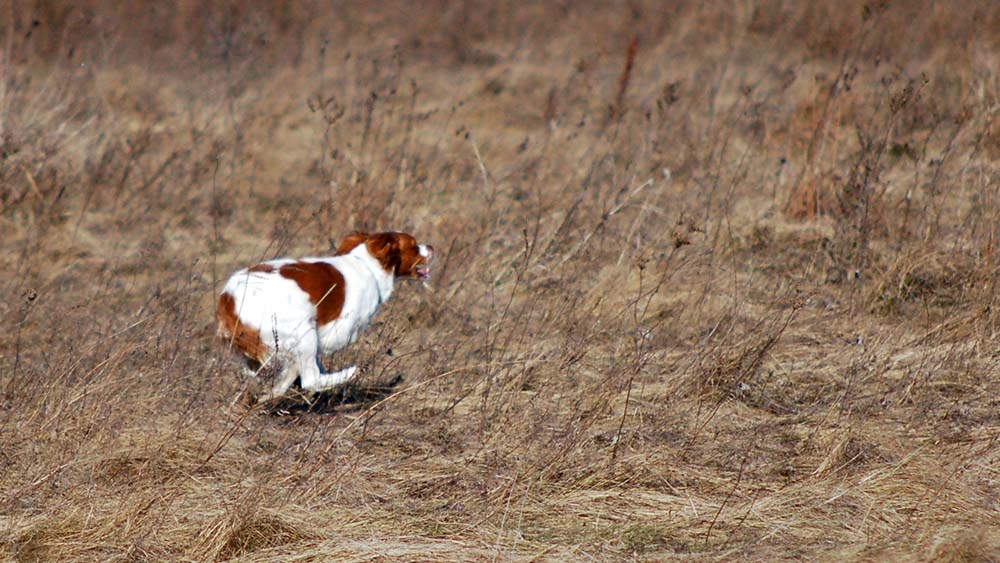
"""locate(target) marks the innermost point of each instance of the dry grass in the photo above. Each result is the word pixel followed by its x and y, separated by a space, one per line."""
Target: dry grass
pixel 715 282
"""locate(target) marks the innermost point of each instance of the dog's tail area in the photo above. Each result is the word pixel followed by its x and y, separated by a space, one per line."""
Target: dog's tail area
pixel 244 338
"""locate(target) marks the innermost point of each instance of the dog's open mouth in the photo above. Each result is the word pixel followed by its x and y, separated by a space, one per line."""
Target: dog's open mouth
pixel 423 272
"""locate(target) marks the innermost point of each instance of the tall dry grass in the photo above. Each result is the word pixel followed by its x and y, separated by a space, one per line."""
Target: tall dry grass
pixel 716 281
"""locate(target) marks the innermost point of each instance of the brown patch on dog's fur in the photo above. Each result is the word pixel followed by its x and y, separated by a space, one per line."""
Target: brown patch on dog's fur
pixel 262 268
pixel 351 241
pixel 323 283
pixel 242 337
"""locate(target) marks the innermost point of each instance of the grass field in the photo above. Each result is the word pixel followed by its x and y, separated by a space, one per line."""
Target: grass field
pixel 715 281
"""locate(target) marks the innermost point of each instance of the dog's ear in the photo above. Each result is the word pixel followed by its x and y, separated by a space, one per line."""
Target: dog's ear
pixel 351 241
pixel 385 248
pixel 383 245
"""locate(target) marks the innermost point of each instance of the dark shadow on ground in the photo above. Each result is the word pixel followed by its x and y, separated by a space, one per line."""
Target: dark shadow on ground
pixel 348 398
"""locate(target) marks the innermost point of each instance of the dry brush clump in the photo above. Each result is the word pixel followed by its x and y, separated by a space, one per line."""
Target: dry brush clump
pixel 713 282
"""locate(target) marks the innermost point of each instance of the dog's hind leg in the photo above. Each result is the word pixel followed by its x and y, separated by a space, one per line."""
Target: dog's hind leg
pixel 298 357
pixel 251 369
pixel 282 381
pixel 324 381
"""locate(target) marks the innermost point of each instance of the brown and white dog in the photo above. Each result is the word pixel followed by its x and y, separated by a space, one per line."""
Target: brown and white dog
pixel 288 312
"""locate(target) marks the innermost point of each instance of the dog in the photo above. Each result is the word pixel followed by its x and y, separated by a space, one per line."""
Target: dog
pixel 286 313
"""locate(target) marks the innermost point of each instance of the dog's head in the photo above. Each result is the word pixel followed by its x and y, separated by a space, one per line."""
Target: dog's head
pixel 398 253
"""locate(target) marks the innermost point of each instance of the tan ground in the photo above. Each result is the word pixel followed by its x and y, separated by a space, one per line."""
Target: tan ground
pixel 723 295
